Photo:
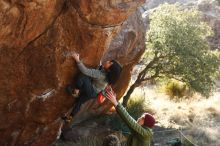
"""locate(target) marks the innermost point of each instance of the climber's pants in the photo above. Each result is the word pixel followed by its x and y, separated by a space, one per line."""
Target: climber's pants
pixel 84 84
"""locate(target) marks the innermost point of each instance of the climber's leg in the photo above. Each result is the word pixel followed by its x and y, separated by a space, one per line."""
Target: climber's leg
pixel 84 84
pixel 76 108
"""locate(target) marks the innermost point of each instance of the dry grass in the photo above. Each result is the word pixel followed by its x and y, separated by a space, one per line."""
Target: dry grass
pixel 200 116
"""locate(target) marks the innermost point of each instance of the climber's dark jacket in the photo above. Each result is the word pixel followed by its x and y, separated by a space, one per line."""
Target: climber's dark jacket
pixel 140 136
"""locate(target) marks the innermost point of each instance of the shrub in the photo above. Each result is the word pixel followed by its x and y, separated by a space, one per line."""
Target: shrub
pixel 176 89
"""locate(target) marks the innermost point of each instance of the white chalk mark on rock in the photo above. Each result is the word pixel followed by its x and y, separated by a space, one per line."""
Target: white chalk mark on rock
pixel 14 136
pixel 10 104
pixel 46 94
pixel 68 53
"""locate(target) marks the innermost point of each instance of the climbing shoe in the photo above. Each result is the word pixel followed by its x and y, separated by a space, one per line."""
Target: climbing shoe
pixel 67 119
pixel 74 94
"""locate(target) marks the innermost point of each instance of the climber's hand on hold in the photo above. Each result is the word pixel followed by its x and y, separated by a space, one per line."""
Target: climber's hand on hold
pixel 76 56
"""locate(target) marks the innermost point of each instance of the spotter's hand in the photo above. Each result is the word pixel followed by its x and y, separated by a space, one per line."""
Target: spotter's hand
pixel 110 94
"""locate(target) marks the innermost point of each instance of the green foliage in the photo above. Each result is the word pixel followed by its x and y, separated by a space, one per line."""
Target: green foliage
pixel 137 106
pixel 176 89
pixel 179 49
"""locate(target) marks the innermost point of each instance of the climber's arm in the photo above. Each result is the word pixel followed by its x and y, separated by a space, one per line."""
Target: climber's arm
pixel 94 73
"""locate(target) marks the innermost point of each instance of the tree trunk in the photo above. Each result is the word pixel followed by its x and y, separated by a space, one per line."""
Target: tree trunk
pixel 128 94
pixel 140 79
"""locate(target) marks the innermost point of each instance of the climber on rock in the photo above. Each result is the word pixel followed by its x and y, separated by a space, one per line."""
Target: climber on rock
pixel 141 130
pixel 92 82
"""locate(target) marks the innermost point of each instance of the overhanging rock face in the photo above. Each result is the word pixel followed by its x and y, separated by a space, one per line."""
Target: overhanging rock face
pixel 36 38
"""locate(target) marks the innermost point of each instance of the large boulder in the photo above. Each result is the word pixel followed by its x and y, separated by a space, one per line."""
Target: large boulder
pixel 36 38
pixel 127 47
